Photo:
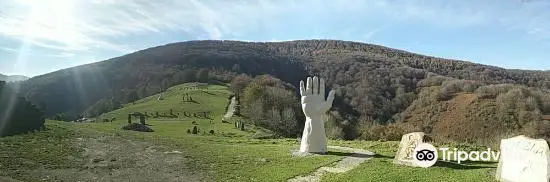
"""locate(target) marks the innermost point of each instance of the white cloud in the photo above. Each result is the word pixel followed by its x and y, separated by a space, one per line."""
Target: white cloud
pixel 63 55
pixel 91 25
pixel 9 50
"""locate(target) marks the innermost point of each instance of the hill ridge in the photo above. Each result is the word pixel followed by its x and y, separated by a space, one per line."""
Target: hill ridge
pixel 374 84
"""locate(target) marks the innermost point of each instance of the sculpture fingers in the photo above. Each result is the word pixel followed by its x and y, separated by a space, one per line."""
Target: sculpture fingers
pixel 315 85
pixel 322 87
pixel 309 89
pixel 302 88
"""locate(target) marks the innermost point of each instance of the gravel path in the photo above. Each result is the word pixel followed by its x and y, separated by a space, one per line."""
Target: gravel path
pixel 348 163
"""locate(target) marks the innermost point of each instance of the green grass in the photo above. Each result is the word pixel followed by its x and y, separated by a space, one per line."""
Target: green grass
pixel 50 149
pixel 228 155
pixel 381 168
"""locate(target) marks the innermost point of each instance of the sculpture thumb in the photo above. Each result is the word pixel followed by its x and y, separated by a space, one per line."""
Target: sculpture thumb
pixel 330 97
pixel 328 103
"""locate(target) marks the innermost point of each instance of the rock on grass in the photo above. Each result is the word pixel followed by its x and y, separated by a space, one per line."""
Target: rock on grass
pixel 137 127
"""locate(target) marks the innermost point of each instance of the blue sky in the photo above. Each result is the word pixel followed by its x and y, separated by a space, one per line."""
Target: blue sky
pixel 38 36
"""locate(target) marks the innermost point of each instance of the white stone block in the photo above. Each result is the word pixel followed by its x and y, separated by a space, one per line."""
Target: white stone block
pixel 523 159
pixel 405 153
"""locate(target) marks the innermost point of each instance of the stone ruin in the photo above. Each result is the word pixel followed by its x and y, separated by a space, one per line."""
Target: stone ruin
pixel 239 125
pixel 404 155
pixel 137 127
pixel 523 159
pixel 141 126
pixel 187 98
pixel 137 114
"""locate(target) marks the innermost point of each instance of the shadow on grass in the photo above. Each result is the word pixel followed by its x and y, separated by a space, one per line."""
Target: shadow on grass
pixel 208 92
pixel 193 101
pixel 466 166
pixel 346 154
pixel 382 156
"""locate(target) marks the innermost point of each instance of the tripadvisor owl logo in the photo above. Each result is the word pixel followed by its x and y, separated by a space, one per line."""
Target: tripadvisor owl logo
pixel 425 155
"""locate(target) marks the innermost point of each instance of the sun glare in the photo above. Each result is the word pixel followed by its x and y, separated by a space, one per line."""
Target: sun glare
pixel 52 19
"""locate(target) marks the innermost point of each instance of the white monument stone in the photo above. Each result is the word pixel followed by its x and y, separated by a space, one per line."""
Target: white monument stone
pixel 314 106
pixel 404 155
pixel 523 159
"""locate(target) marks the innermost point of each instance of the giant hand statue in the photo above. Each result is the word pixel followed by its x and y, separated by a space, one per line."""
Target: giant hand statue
pixel 314 106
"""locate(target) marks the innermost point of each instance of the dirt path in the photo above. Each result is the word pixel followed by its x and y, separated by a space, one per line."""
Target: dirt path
pixel 110 158
pixel 348 163
pixel 231 108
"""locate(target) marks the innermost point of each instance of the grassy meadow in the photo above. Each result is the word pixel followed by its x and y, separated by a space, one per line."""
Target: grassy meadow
pixel 101 151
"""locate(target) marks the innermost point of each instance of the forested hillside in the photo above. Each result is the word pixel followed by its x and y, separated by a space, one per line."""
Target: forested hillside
pixel 375 84
pixel 17 115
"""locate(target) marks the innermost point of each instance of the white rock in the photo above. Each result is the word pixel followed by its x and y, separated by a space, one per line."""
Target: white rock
pixel 523 159
pixel 404 155
pixel 173 152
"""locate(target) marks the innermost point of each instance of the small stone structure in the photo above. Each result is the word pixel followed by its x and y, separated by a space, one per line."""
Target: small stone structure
pixel 404 155
pixel 137 114
pixel 186 97
pixel 523 159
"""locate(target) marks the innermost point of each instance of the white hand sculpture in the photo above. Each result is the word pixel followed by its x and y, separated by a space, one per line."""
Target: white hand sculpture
pixel 314 106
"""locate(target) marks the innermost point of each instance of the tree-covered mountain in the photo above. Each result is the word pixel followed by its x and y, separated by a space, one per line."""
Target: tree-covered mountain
pixel 374 84
pixel 12 78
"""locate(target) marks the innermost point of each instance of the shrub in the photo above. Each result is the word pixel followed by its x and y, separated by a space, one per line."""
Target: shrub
pixel 433 81
pixel 538 129
pixel 492 91
pixel 450 87
pixel 389 132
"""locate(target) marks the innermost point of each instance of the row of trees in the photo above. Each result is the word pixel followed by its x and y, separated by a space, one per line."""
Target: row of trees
pixel 269 102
